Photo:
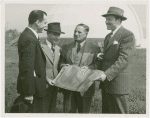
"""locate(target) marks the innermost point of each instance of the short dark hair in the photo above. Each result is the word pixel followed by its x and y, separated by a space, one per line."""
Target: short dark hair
pixel 36 15
pixel 85 26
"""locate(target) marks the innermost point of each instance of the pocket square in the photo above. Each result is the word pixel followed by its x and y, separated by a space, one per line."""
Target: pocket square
pixel 34 74
pixel 115 42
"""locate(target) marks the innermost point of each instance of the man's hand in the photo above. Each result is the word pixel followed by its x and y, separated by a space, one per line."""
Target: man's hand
pixel 103 77
pixel 100 78
pixel 62 65
pixel 50 81
pixel 84 67
pixel 100 56
pixel 29 99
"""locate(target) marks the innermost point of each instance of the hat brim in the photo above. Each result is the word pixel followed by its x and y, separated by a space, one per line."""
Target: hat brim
pixel 54 31
pixel 122 17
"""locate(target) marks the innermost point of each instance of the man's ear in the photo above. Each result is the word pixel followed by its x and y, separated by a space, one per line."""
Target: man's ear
pixel 119 20
pixel 37 22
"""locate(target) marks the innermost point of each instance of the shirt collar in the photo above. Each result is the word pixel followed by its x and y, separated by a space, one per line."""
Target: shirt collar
pixel 48 43
pixel 81 44
pixel 36 34
pixel 116 30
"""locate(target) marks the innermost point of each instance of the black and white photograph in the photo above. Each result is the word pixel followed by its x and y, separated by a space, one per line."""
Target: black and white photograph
pixel 75 58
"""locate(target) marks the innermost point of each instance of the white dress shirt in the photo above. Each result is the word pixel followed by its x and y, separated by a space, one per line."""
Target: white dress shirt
pixel 113 33
pixel 36 34
pixel 81 44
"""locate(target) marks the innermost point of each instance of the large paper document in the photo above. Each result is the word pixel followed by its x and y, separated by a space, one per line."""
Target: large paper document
pixel 75 78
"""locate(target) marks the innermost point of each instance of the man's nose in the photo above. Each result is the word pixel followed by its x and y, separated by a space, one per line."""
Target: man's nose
pixel 106 21
pixel 76 33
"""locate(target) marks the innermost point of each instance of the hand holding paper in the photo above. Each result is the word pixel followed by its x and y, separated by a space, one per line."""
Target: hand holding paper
pixel 102 78
pixel 76 78
pixel 100 56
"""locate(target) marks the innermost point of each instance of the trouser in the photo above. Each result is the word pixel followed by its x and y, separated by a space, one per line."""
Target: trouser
pixel 114 103
pixel 67 101
pixel 82 104
pixel 37 105
pixel 49 101
pixel 73 101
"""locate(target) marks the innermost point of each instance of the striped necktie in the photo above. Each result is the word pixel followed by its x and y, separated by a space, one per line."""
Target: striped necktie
pixel 52 48
pixel 78 47
pixel 38 39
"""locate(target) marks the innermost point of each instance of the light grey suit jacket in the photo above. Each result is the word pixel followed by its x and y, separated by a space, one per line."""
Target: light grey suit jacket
pixel 51 63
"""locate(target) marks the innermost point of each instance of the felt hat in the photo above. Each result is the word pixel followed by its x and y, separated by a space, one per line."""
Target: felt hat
pixel 115 11
pixel 54 27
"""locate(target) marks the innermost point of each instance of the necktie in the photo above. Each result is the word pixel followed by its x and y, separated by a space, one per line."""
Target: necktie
pixel 108 38
pixel 78 47
pixel 38 39
pixel 52 48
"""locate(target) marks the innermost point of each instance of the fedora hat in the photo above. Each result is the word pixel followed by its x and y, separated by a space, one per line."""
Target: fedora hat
pixel 20 106
pixel 115 11
pixel 54 27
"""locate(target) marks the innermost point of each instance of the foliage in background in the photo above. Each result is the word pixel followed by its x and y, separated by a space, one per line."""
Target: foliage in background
pixel 11 35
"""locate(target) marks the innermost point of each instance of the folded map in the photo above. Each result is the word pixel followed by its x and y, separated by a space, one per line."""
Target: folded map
pixel 75 78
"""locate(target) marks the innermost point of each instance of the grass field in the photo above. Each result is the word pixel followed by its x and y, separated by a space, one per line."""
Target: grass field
pixel 137 97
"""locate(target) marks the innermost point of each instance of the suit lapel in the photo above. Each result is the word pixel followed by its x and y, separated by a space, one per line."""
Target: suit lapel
pixel 86 52
pixel 47 51
pixel 71 52
pixel 33 35
pixel 115 37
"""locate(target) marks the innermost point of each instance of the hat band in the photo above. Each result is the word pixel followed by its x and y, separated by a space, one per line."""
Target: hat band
pixel 113 12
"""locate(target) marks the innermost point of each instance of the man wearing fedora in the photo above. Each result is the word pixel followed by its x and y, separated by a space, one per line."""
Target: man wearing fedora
pixel 52 54
pixel 31 83
pixel 116 63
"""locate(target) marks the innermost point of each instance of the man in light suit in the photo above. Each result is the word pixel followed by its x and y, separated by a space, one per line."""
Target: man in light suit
pixel 116 63
pixel 31 83
pixel 81 53
pixel 52 54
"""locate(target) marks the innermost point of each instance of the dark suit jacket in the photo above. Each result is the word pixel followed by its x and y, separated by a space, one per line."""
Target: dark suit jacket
pixel 87 57
pixel 117 61
pixel 31 60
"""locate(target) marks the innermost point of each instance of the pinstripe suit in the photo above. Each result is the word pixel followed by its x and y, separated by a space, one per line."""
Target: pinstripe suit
pixel 116 65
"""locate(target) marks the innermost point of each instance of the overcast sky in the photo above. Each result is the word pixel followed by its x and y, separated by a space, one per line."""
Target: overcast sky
pixel 69 15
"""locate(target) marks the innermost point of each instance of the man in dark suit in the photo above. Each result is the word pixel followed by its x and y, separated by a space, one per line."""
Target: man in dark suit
pixel 31 83
pixel 116 64
pixel 83 54
pixel 52 54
